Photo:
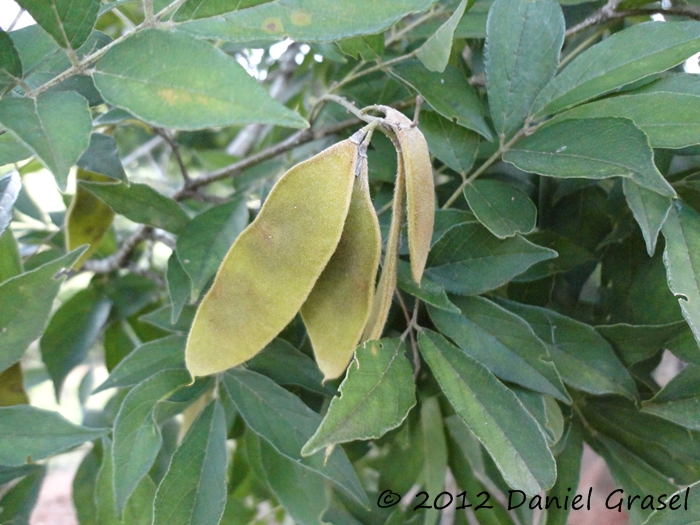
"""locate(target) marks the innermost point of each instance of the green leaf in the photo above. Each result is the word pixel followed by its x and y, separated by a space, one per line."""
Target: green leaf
pixel 141 203
pixel 147 360
pixel 137 437
pixel 55 126
pixel 500 422
pixel 368 47
pixel 11 150
pixel 25 306
pixel 376 395
pixel 452 144
pixel 139 508
pixel 584 359
pixel 72 331
pixel 19 500
pixel 205 241
pixel 649 209
pixel 473 23
pixel 637 52
pixel 282 419
pixel 679 400
pixel 306 20
pixel 635 343
pixel 570 256
pixel 683 83
pixel 503 208
pixel 286 365
pixel 595 148
pixel 102 157
pixel 670 120
pixel 468 260
pixel 179 286
pixel 10 63
pixel 523 41
pixel 434 453
pixel 502 342
pixel 162 316
pixel 448 93
pixel 301 491
pixel 435 52
pixel 8 474
pixel 193 491
pixel 430 292
pixel 83 489
pixel 568 455
pixel 10 262
pixel 687 517
pixel 69 22
pixel 174 80
pixel 682 260
pixel 10 185
pixel 28 432
pixel 195 9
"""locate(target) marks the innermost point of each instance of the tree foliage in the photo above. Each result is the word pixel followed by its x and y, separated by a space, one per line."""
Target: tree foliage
pixel 523 317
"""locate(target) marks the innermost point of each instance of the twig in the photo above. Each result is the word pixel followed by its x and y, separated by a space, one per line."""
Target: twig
pixel 418 21
pixel 14 22
pixel 122 255
pixel 175 147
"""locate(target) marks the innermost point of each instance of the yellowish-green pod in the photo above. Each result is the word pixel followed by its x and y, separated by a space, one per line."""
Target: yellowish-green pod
pixel 12 387
pixel 88 218
pixel 339 305
pixel 420 190
pixel 272 266
pixel 387 280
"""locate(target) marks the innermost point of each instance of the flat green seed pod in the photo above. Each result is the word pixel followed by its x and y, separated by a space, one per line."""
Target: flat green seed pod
pixel 337 309
pixel 271 268
pixel 420 190
pixel 387 280
pixel 88 218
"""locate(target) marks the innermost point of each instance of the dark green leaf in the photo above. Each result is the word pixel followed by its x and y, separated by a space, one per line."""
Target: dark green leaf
pixel 141 203
pixel 174 80
pixel 637 52
pixel 635 343
pixel 568 455
pixel 10 263
pixel 137 438
pixel 8 474
pixel 18 502
pixel 502 342
pixel 679 400
pixel 28 432
pixel 102 157
pixel 203 243
pixel 429 292
pixel 670 120
pixel 72 331
pixel 286 365
pixel 468 260
pixel 523 41
pixel 493 413
pixel 69 22
pixel 282 419
pixel 10 185
pixel 195 9
pixel 368 47
pixel 448 93
pixel 683 83
pixel 12 150
pixel 54 126
pixel 687 517
pixel 435 52
pixel 10 63
pixel 454 145
pixel 84 486
pixel 682 260
pixel 595 148
pixel 179 286
pixel 473 23
pixel 649 209
pixel 193 491
pixel 376 395
pixel 503 208
pixel 584 359
pixel 434 453
pixel 570 256
pixel 306 21
pixel 162 316
pixel 145 361
pixel 25 306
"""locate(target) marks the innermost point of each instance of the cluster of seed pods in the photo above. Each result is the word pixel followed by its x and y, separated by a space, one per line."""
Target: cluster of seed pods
pixel 315 248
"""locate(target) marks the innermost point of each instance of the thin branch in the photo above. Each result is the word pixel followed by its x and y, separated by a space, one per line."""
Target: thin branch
pixel 175 147
pixel 410 27
pixel 14 22
pixel 120 258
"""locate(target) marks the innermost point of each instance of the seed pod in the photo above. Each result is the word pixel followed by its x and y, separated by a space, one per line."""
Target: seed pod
pixel 420 190
pixel 271 268
pixel 88 218
pixel 387 280
pixel 337 309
